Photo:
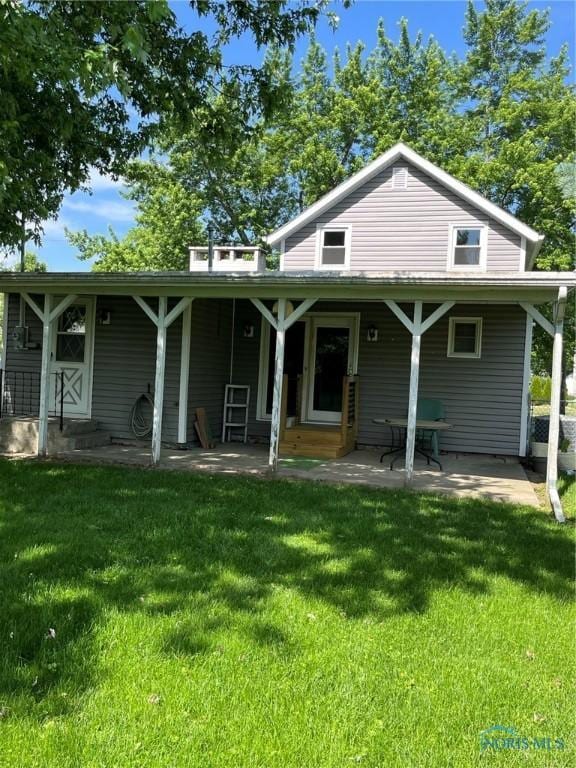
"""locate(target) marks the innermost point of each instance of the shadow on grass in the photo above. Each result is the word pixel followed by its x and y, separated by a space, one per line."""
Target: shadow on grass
pixel 78 542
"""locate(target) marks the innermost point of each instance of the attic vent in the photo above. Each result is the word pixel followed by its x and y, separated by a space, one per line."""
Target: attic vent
pixel 399 177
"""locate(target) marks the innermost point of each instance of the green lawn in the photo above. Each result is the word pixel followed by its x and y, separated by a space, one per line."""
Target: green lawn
pixel 171 620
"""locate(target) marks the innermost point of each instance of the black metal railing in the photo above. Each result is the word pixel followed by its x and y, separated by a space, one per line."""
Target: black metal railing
pixel 20 394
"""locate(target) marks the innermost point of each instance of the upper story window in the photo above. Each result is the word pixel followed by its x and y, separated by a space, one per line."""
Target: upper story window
pixel 467 247
pixel 333 246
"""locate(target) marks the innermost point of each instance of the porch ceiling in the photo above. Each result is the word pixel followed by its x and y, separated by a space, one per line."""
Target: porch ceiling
pixel 535 287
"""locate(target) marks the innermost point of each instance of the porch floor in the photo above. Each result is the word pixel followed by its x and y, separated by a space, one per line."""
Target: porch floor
pixel 492 477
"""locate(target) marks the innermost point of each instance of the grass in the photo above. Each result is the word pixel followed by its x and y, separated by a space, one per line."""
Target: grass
pixel 164 619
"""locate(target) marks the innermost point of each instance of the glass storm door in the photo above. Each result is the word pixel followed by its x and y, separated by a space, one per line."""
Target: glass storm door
pixel 72 356
pixel 331 358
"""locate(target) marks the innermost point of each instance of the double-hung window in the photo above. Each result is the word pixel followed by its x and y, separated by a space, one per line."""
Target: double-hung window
pixel 467 250
pixel 333 247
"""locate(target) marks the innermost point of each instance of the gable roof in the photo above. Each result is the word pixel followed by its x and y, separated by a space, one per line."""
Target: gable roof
pixel 401 151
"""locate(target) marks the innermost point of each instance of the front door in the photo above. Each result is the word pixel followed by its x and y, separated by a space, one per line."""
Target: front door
pixel 332 356
pixel 71 364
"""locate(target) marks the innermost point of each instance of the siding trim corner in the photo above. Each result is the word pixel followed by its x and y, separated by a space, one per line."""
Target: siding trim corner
pixel 524 413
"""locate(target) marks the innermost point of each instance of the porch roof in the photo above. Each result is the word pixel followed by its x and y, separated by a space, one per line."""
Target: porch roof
pixel 505 287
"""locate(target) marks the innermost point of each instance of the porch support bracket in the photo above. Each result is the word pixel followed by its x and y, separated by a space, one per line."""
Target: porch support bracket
pixel 263 309
pixel 542 321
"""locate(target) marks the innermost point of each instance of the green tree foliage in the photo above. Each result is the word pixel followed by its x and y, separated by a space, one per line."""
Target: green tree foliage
pixel 91 83
pixel 167 221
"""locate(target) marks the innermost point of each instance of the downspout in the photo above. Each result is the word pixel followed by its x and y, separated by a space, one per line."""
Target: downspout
pixel 554 429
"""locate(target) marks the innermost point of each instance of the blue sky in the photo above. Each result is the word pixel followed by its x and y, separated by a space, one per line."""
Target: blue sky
pixel 443 19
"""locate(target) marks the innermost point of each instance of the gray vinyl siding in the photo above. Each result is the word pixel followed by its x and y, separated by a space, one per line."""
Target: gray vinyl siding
pixel 125 361
pixel 403 229
pixel 483 398
pixel 246 362
pixel 209 361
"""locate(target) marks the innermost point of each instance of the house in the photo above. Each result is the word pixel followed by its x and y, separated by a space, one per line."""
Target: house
pixel 402 283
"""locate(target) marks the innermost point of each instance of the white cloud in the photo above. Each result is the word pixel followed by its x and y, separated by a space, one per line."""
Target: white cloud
pixel 111 210
pixel 54 228
pixel 102 182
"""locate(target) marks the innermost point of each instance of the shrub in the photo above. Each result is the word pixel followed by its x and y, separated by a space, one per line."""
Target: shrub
pixel 541 388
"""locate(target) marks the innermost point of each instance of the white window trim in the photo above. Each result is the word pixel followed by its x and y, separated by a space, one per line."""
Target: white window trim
pixel 453 321
pixel 320 229
pixel 481 267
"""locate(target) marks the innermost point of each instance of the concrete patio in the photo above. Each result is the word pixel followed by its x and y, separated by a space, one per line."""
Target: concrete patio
pixel 466 475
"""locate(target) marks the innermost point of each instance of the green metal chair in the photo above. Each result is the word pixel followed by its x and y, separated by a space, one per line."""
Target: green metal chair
pixel 430 410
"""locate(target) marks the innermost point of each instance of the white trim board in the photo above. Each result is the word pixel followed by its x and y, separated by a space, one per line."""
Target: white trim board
pixel 457 320
pixel 452 232
pixel 525 406
pixel 320 229
pixel 4 348
pixel 401 151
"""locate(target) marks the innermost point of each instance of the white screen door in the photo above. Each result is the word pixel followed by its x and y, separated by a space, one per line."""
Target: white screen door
pixel 332 357
pixel 72 343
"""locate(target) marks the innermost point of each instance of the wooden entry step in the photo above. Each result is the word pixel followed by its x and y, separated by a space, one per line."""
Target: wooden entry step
pixel 316 441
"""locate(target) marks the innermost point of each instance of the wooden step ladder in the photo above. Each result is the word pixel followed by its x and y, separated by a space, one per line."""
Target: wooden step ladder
pixel 235 416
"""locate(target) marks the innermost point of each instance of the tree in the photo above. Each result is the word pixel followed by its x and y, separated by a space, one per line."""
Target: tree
pixel 73 77
pixel 167 222
pixel 519 116
pixel 519 139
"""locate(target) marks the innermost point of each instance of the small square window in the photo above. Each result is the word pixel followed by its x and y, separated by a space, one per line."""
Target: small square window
pixel 467 250
pixel 334 248
pixel 465 337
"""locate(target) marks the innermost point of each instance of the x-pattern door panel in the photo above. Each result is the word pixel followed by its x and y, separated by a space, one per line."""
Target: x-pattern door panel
pixel 72 358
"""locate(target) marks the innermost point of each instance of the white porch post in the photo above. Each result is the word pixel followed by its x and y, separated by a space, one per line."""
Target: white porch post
pixel 45 376
pixel 277 396
pixel 555 330
pixel 184 375
pixel 413 396
pixel 554 431
pixel 280 324
pixel 159 379
pixel 163 320
pixel 47 316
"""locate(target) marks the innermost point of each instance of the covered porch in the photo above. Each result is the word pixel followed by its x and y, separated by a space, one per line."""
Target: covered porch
pixel 416 303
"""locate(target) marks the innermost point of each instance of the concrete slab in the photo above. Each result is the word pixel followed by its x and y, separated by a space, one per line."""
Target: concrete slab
pixel 465 475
